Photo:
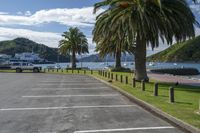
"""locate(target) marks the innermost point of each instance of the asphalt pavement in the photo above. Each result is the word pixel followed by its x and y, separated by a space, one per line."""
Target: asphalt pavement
pixel 50 103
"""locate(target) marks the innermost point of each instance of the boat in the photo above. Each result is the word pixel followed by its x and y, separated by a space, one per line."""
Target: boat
pixel 57 66
pixel 151 64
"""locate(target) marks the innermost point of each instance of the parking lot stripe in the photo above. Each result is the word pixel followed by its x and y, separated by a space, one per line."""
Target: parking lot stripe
pixel 72 107
pixel 124 129
pixel 57 96
pixel 53 82
pixel 70 83
pixel 65 88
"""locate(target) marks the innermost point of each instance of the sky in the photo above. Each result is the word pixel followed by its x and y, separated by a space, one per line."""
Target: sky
pixel 43 21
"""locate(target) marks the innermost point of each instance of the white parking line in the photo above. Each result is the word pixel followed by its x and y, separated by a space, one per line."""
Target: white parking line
pixel 70 84
pixel 124 129
pixel 55 96
pixel 72 107
pixel 65 88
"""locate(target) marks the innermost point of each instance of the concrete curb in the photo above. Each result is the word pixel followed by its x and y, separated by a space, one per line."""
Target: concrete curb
pixel 157 112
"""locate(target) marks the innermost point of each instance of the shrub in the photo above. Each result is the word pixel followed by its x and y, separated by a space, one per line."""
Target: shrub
pixel 120 69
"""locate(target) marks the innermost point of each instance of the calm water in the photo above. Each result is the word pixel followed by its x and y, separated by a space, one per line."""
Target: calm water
pixel 101 65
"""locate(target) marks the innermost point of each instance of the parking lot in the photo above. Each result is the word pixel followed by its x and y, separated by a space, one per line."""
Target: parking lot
pixel 47 103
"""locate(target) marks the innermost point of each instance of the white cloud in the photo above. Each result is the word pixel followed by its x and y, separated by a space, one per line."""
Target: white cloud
pixel 19 13
pixel 3 13
pixel 48 38
pixel 70 17
pixel 195 8
pixel 91 45
pixel 27 13
pixel 197 30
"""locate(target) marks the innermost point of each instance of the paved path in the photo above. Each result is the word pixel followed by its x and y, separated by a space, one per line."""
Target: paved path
pixel 44 103
pixel 173 79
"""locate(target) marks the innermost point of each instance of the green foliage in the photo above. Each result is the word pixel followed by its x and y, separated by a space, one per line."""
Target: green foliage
pixel 143 22
pixel 74 41
pixel 146 21
pixel 20 45
pixel 181 52
pixel 120 69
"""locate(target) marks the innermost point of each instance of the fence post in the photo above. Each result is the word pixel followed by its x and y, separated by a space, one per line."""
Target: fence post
pixel 156 89
pixel 143 85
pixel 133 83
pixel 121 78
pixel 103 74
pixel 171 94
pixel 78 71
pixel 57 70
pixel 91 71
pixel 108 74
pixel 126 80
pixel 72 70
pixel 116 77
pixel 84 71
pixel 199 106
pixel 112 76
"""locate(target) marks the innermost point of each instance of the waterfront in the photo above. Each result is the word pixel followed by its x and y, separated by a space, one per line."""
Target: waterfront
pixel 102 65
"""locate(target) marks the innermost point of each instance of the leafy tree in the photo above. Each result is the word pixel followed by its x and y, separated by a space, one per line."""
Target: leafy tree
pixel 145 22
pixel 113 46
pixel 74 42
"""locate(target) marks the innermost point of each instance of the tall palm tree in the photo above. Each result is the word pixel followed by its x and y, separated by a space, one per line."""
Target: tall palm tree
pixel 145 22
pixel 113 46
pixel 74 42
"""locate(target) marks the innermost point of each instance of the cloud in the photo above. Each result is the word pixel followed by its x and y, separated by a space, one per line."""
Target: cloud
pixel 27 13
pixel 3 13
pixel 65 16
pixel 48 38
pixel 197 30
pixel 91 45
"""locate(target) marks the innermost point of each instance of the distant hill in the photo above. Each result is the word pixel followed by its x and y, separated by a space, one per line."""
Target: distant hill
pixel 188 51
pixel 20 45
pixel 96 58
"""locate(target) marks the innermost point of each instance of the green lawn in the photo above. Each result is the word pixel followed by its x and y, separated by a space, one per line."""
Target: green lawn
pixel 186 97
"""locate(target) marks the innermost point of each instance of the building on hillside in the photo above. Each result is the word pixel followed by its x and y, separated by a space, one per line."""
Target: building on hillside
pixel 29 57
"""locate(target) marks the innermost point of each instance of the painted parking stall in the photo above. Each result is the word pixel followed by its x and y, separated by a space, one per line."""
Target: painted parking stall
pixel 71 104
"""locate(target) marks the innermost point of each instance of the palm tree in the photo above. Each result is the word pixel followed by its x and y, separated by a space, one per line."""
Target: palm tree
pixel 74 42
pixel 113 46
pixel 145 22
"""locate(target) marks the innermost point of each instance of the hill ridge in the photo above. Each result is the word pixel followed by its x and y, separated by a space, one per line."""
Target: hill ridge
pixel 188 51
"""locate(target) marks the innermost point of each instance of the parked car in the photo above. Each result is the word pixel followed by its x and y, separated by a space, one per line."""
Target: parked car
pixel 21 66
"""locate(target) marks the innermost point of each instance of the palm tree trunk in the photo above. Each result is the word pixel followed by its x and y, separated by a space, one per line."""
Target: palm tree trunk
pixel 140 61
pixel 118 59
pixel 73 59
